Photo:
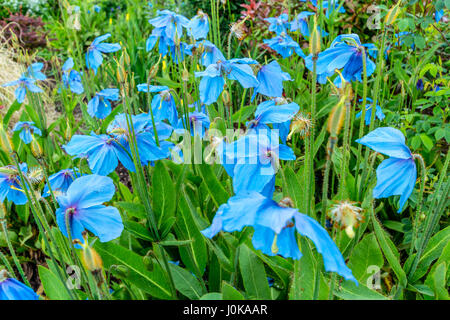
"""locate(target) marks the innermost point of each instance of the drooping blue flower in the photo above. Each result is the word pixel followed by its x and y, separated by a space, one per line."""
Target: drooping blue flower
pixel 270 78
pixel 147 147
pixel 378 112
pixel 100 105
pixel 284 45
pixel 103 152
pixel 397 174
pixel 163 103
pixel 24 84
pixel 12 289
pixel 97 8
pixel 94 57
pixel 278 24
pixel 71 78
pixel 420 85
pixel 300 23
pixel 269 112
pixel 256 157
pixel 171 23
pixel 213 78
pixel 198 26
pixel 82 208
pixel 60 181
pixel 275 226
pixel 10 186
pixel 344 53
pixel 198 122
pixel 438 15
pixel 35 72
pixel 209 53
pixel 27 130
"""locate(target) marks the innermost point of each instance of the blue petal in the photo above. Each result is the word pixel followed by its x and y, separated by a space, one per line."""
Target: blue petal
pixel 388 141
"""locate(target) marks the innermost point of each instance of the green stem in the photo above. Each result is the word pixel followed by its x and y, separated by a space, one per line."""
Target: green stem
pixel 423 170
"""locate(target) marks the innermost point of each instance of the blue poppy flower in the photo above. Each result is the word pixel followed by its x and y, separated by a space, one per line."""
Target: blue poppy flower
pixel 300 23
pixel 420 85
pixel 171 23
pixel 209 53
pixel 270 78
pixel 275 226
pixel 24 84
pixel 438 15
pixel 344 53
pixel 97 8
pixel 278 24
pixel 198 121
pixel 163 103
pixel 94 57
pixel 12 289
pixel 34 72
pixel 213 78
pixel 100 105
pixel 147 147
pixel 71 78
pixel 82 207
pixel 198 26
pixel 284 45
pixel 10 186
pixel 27 130
pixel 103 152
pixel 268 112
pixel 378 112
pixel 397 174
pixel 60 181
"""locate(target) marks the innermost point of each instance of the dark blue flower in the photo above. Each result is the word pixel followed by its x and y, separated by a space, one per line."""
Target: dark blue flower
pixel 82 207
pixel 284 45
pixel 27 130
pixel 209 53
pixel 198 121
pixel 100 105
pixel 94 57
pixel 397 174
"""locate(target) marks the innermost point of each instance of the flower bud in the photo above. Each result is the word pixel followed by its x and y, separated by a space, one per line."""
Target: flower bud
pixel 336 118
pixel 36 148
pixel 315 39
pixel 226 98
pixel 392 14
pixel 5 139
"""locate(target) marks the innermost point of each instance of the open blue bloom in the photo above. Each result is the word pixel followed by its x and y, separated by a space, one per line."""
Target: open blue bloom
pixel 344 53
pixel 163 103
pixel 27 129
pixel 34 72
pixel 284 45
pixel 438 15
pixel 82 208
pixel 278 24
pixel 270 78
pixel 275 227
pixel 10 186
pixel 12 289
pixel 103 152
pixel 378 112
pixel 71 78
pixel 300 23
pixel 24 84
pixel 198 26
pixel 268 112
pixel 198 122
pixel 209 53
pixel 256 157
pixel 147 147
pixel 60 181
pixel 100 105
pixel 397 174
pixel 213 78
pixel 94 57
pixel 171 23
pixel 97 8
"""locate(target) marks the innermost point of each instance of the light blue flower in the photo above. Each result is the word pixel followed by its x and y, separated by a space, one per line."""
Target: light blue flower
pixel 397 174
pixel 275 227
pixel 94 57
pixel 278 24
pixel 438 15
pixel 198 26
pixel 163 103
pixel 213 78
pixel 10 185
pixel 12 289
pixel 24 84
pixel 300 23
pixel 71 78
pixel 60 181
pixel 100 105
pixel 378 112
pixel 269 112
pixel 284 45
pixel 82 207
pixel 331 6
pixel 209 53
pixel 27 130
pixel 34 72
pixel 270 78
pixel 171 23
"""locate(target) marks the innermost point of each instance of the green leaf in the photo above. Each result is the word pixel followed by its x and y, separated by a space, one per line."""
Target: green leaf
pixel 215 188
pixel 186 283
pixel 153 282
pixel 439 281
pixel 435 246
pixel 302 287
pixel 253 274
pixel 294 188
pixel 136 210
pixel 212 296
pixel 427 142
pixel 138 230
pixel 164 194
pixel 230 293
pixel 366 253
pixel 349 291
pixel 53 287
